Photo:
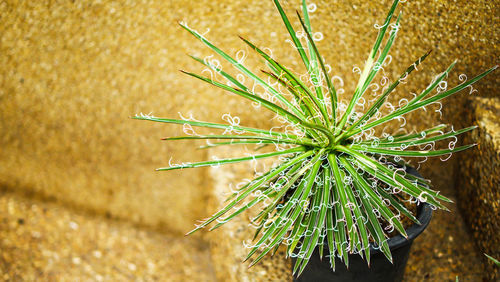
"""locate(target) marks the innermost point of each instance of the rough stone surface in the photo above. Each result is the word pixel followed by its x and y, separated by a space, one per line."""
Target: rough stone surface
pixel 479 186
pixel 43 241
pixel 73 72
pixel 445 250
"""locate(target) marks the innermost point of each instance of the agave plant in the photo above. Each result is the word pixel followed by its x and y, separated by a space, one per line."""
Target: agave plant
pixel 337 182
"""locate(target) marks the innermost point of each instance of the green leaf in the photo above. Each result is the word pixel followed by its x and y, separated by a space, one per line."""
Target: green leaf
pixel 406 153
pixel 380 61
pixel 407 137
pixel 223 73
pixel 233 160
pixel 382 98
pixel 393 179
pixel 383 29
pixel 339 229
pixel 291 117
pixel 359 223
pixel 306 90
pixel 368 73
pixel 445 94
pixel 269 105
pixel 246 142
pixel 267 192
pixel 433 84
pixel 297 88
pixel 295 40
pixel 241 68
pixel 368 193
pixel 298 229
pixel 313 70
pixel 302 141
pixel 319 225
pixel 304 193
pixel 373 223
pixel 493 259
pixel 279 196
pixel 325 201
pixel 303 100
pixel 331 88
pixel 252 186
pixel 426 140
pixel 308 240
pixel 288 205
pixel 294 78
pixel 397 205
pixel 217 126
pixel 352 228
pixel 331 238
pixel 416 105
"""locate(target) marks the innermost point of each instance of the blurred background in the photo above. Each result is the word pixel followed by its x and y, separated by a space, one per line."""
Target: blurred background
pixel 79 197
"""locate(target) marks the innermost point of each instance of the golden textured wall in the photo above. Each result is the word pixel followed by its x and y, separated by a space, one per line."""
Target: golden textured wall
pixel 73 72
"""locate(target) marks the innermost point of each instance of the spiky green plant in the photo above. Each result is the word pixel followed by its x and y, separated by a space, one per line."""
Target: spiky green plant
pixel 336 181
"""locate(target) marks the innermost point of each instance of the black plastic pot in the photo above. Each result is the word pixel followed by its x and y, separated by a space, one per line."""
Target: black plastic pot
pixel 380 269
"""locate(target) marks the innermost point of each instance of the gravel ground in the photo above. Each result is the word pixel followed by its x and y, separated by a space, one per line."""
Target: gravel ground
pixel 43 241
pixel 445 250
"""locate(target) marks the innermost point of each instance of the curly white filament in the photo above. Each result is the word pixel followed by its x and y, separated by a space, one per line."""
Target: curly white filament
pixel 311 8
pixel 318 36
pixel 188 129
pixel 241 56
pixel 377 26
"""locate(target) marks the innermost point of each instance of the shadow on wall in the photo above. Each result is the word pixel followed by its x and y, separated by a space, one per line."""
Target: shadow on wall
pixel 73 73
